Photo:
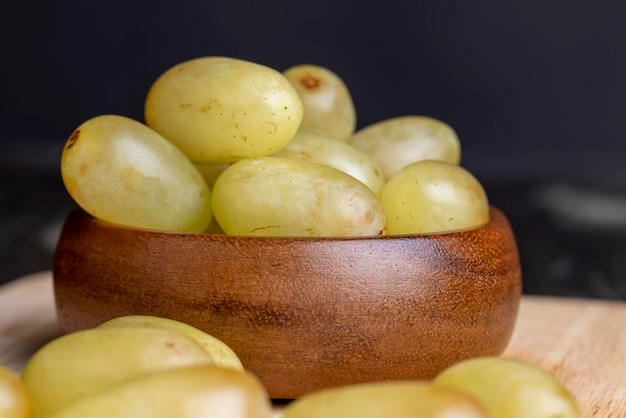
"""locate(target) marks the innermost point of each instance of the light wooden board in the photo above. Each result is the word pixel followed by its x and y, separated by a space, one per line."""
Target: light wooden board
pixel 582 342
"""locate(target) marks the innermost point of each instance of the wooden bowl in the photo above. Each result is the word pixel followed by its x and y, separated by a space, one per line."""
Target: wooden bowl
pixel 303 313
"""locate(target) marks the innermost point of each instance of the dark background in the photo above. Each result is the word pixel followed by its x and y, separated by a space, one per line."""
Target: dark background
pixel 535 89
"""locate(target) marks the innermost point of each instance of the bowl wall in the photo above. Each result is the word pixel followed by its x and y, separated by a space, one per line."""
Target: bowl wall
pixel 303 313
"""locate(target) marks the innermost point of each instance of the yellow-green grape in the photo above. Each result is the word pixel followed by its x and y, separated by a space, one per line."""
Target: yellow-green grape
pixel 433 196
pixel 312 146
pixel 77 364
pixel 510 388
pixel 14 399
pixel 221 109
pixel 222 354
pixel 404 399
pixel 121 171
pixel 328 105
pixel 273 196
pixel 397 142
pixel 190 392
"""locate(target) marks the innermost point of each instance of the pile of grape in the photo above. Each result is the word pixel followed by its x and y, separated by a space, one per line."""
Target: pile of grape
pixel 231 146
pixel 150 367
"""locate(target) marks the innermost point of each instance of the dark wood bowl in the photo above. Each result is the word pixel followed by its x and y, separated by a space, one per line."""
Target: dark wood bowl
pixel 303 313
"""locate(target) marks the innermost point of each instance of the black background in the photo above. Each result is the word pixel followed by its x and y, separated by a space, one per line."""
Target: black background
pixel 507 75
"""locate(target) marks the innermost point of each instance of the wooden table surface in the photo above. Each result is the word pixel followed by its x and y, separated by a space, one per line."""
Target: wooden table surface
pixel 581 341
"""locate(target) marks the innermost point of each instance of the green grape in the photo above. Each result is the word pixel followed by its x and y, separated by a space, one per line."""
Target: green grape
pixel 222 354
pixel 220 110
pixel 273 196
pixel 121 171
pixel 77 364
pixel 397 142
pixel 190 392
pixel 315 147
pixel 404 399
pixel 328 105
pixel 14 399
pixel 433 196
pixel 510 388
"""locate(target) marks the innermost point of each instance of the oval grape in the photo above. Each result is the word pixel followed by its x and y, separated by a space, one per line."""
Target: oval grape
pixel 397 142
pixel 119 170
pixel 510 388
pixel 221 354
pixel 273 196
pixel 434 196
pixel 327 102
pixel 221 109
pixel 190 392
pixel 404 399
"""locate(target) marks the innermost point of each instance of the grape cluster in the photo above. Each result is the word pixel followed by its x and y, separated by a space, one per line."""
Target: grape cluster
pixel 231 146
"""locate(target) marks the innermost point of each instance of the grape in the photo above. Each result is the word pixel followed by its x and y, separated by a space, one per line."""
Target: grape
pixel 222 355
pixel 397 142
pixel 76 364
pixel 328 106
pixel 14 399
pixel 121 171
pixel 433 196
pixel 281 197
pixel 220 110
pixel 404 399
pixel 190 392
pixel 312 146
pixel 510 388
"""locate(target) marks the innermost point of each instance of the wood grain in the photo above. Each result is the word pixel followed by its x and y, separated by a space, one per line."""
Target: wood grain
pixel 579 341
pixel 582 343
